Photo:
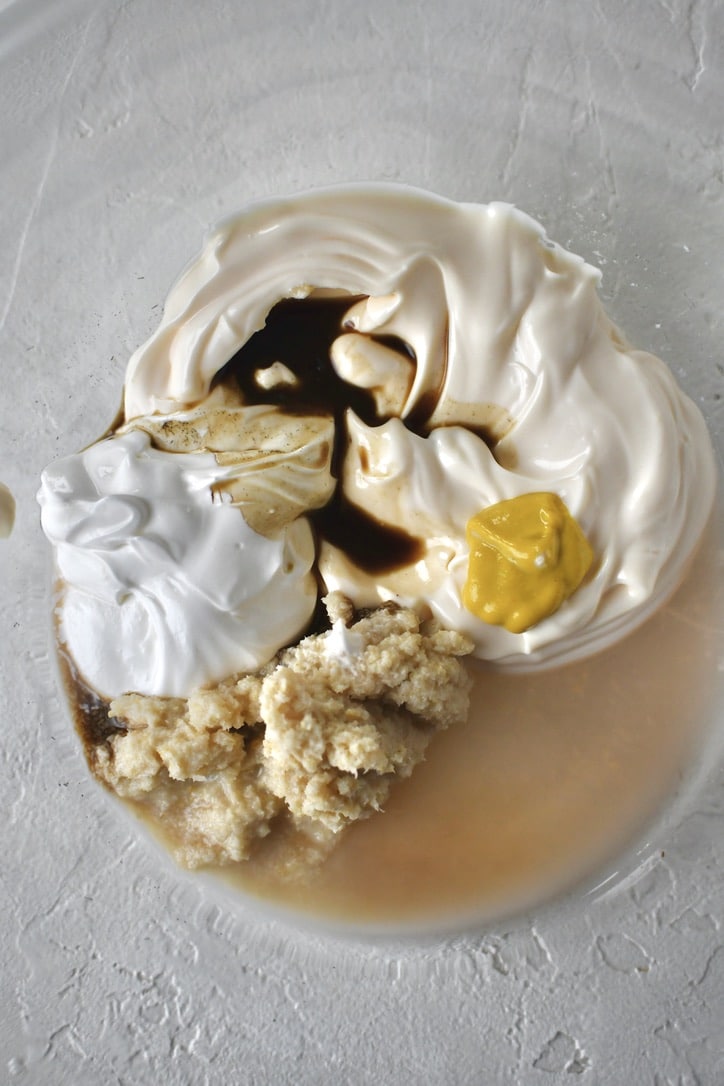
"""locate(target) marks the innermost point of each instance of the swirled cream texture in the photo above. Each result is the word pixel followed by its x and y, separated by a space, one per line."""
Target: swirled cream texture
pixel 167 589
pixel 515 381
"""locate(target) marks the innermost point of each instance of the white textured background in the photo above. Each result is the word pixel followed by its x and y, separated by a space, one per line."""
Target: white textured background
pixel 125 129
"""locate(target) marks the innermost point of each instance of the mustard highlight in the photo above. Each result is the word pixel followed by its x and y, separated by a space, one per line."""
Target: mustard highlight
pixel 527 556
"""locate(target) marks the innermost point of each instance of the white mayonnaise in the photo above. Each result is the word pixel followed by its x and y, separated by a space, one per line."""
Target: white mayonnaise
pixel 165 588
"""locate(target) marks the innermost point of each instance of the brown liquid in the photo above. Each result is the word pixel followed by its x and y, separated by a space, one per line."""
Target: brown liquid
pixel 373 546
pixel 300 333
pixel 90 712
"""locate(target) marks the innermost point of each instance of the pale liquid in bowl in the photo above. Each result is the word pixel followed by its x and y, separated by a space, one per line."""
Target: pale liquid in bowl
pixel 551 777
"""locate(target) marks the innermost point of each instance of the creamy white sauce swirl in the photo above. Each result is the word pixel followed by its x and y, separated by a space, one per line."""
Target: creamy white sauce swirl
pixel 166 589
pixel 508 334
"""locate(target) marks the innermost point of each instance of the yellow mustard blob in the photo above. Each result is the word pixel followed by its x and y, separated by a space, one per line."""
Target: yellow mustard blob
pixel 527 555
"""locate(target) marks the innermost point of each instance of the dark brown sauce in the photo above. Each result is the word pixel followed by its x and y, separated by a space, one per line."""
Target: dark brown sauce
pixel 485 433
pixel 90 712
pixel 394 343
pixel 299 333
pixel 418 419
pixel 370 544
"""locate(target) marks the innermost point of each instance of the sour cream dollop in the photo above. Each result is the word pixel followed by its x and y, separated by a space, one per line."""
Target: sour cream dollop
pixel 165 588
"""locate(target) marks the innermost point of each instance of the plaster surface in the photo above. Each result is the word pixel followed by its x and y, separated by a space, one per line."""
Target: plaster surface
pixel 127 129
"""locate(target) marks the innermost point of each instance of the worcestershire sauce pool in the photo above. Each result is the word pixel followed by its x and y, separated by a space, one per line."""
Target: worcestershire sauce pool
pixel 299 333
